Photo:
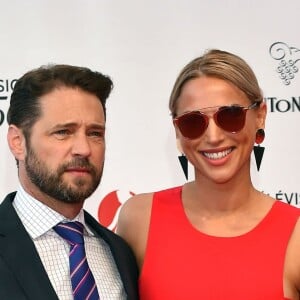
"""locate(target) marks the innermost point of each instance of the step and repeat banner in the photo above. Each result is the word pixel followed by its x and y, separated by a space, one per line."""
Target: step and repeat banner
pixel 143 45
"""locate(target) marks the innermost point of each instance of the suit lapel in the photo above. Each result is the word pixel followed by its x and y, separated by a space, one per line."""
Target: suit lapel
pixel 20 255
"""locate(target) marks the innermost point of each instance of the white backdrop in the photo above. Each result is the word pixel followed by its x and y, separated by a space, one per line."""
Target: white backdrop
pixel 143 45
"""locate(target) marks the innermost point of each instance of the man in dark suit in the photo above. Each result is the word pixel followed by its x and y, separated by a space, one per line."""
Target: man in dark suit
pixel 57 136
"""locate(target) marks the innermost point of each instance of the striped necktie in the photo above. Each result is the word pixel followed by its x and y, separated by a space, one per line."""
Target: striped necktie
pixel 82 279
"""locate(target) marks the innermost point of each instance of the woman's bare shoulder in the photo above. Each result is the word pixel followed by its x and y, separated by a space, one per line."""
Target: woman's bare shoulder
pixel 137 204
pixel 135 213
pixel 133 223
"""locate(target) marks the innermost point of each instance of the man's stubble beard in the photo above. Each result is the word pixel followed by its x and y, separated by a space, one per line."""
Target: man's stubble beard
pixel 52 183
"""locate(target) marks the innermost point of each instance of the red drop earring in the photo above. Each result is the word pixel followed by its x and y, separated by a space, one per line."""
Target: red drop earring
pixel 258 150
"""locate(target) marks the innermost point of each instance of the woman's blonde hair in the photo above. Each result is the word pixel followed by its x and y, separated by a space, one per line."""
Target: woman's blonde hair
pixel 222 65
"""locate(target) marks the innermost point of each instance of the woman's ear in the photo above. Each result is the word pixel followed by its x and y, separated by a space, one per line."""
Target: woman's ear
pixel 178 145
pixel 261 115
pixel 16 142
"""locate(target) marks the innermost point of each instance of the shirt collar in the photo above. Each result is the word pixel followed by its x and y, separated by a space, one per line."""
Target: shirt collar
pixel 37 217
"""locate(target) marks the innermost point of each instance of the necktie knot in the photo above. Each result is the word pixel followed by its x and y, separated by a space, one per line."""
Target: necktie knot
pixel 72 232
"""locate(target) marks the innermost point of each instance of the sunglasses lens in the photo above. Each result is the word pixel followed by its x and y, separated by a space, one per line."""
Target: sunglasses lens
pixel 192 125
pixel 231 118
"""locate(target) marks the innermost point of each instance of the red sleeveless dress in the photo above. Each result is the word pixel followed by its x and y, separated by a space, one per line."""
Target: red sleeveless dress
pixel 182 263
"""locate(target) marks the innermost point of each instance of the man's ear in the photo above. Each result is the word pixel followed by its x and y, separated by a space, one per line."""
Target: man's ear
pixel 16 142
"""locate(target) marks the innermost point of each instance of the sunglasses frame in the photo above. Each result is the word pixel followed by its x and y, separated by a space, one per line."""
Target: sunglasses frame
pixel 206 118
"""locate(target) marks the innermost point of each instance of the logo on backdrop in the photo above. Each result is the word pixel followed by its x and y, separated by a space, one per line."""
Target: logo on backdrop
pixel 290 104
pixel 2 116
pixel 109 207
pixel 6 87
pixel 286 58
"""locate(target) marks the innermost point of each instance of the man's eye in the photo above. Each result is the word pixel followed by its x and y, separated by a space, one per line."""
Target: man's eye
pixel 62 132
pixel 96 133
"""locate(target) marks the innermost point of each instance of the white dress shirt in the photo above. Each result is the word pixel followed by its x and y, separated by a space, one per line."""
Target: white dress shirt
pixel 38 219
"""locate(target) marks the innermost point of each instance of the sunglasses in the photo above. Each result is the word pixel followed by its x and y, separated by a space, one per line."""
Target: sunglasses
pixel 229 118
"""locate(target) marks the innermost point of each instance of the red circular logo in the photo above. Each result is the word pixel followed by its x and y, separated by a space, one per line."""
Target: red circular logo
pixel 109 208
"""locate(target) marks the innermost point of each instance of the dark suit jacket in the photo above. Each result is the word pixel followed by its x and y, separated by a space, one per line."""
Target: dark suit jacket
pixel 22 275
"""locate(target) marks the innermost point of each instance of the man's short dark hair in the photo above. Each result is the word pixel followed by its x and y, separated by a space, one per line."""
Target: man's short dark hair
pixel 25 109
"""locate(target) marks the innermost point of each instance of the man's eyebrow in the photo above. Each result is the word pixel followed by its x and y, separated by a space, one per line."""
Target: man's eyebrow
pixel 73 124
pixel 97 126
